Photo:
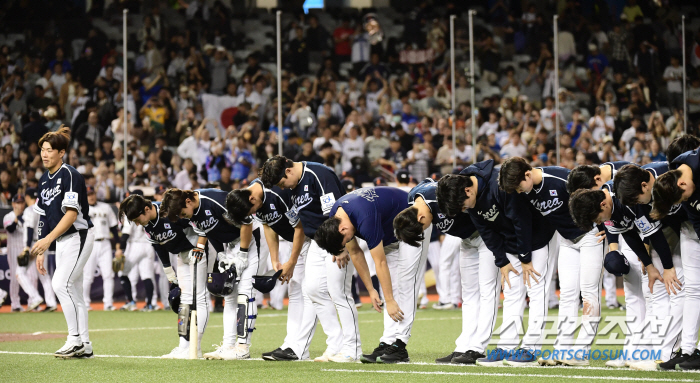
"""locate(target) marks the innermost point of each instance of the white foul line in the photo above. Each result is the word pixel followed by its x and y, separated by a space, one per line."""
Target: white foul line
pixel 512 375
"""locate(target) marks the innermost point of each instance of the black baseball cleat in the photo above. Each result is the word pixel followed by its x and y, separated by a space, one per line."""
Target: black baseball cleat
pixel 692 363
pixel 676 358
pixel 396 353
pixel 284 355
pixel 374 356
pixel 447 359
pixel 468 357
pixel 87 352
pixel 268 355
pixel 70 350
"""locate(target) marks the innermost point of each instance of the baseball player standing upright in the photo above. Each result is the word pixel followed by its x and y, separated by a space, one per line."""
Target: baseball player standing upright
pixel 104 219
pixel 27 275
pixel 65 221
pixel 14 225
pixel 327 295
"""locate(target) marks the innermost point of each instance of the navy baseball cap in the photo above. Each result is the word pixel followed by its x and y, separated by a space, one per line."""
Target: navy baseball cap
pixel 347 185
pixel 31 192
pixel 616 263
pixel 403 177
pixel 18 198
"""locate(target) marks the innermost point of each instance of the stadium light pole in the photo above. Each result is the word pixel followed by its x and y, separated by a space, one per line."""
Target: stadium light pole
pixel 280 122
pixel 471 80
pixel 685 102
pixel 125 98
pixel 556 86
pixel 452 84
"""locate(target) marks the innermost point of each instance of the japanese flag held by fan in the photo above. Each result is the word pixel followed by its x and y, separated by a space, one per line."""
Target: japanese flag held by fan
pixel 220 108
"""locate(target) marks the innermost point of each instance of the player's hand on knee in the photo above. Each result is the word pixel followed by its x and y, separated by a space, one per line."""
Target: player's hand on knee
pixel 376 300
pixel 394 311
pixel 342 259
pixel 653 275
pixel 240 264
pixel 673 284
pixel 287 272
pixel 529 272
pixel 504 274
pixel 601 236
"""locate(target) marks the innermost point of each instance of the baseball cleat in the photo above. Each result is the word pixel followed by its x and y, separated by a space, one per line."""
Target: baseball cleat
pixel 285 355
pixel 181 353
pixel 469 357
pixel 422 306
pixel 447 359
pixel 617 363
pixel 692 363
pixel 109 308
pixel 342 358
pixel 87 352
pixel 379 351
pixel 35 303
pixel 3 295
pixel 88 307
pixel 494 358
pixel 50 309
pixel 547 362
pixel 575 362
pixel 268 355
pixel 396 353
pixel 18 310
pixel 323 358
pixel 131 306
pixel 70 349
pixel 677 358
pixel 521 357
pixel 644 365
pixel 443 306
pixel 147 309
pixel 239 352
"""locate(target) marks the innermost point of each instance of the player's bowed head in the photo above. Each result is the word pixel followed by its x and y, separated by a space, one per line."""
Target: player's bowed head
pixel 178 204
pixel 456 193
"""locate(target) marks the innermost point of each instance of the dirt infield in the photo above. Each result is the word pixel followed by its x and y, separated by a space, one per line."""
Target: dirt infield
pixel 24 337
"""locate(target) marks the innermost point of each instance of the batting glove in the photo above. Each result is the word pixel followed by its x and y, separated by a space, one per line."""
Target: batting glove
pixel 241 261
pixel 170 274
pixel 196 254
pixel 225 261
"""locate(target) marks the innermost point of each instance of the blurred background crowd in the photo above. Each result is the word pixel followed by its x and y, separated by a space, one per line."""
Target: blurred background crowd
pixel 202 87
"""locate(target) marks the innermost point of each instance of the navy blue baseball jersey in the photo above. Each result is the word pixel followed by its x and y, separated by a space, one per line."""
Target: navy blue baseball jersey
pixel 622 223
pixel 314 196
pixel 58 191
pixel 460 226
pixel 507 223
pixel 167 236
pixel 692 205
pixel 551 199
pixel 615 166
pixel 275 211
pixel 208 219
pixel 372 211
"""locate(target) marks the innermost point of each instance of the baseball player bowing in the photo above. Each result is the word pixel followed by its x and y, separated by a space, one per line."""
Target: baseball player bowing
pixel 176 237
pixel 272 207
pixel 65 222
pixel 521 241
pixel 369 213
pixel 481 287
pixel 315 188
pixel 580 255
pixel 105 221
pixel 236 247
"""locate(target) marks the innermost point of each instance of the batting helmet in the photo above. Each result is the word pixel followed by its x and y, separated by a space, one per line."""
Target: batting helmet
pixel 174 298
pixel 266 282
pixel 221 284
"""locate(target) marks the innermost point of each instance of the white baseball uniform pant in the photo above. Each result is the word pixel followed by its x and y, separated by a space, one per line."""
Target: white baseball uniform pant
pixel 610 287
pixel 481 293
pixel 690 252
pixel 14 282
pixel 514 300
pixel 295 310
pixel 27 277
pixel 184 280
pixel 634 298
pixel 277 294
pixel 433 257
pixel 72 252
pixel 405 265
pixel 101 257
pixel 580 274
pixel 449 270
pixel 138 262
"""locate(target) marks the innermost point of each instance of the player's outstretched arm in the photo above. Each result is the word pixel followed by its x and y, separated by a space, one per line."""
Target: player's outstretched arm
pixel 360 263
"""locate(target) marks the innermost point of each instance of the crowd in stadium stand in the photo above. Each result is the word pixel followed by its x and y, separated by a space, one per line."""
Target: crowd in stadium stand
pixel 362 108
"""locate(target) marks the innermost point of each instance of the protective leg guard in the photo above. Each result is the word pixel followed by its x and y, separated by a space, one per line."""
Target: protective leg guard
pixel 183 322
pixel 149 291
pixel 246 323
pixel 126 285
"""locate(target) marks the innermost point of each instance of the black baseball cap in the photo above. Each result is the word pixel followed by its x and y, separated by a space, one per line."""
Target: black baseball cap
pixel 616 263
pixel 403 177
pixel 347 185
pixel 135 191
pixel 31 192
pixel 18 198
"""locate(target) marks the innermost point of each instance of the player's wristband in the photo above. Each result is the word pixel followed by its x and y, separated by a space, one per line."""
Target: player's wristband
pixel 200 246
pixel 245 249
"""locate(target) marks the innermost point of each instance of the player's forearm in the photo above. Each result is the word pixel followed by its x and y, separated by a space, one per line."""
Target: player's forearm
pixel 298 243
pixel 246 236
pixel 63 225
pixel 360 263
pixel 273 244
pixel 383 276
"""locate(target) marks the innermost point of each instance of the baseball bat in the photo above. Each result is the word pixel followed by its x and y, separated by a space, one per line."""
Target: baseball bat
pixel 194 332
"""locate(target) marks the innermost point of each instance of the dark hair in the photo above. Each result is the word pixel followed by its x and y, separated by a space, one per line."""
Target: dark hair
pixel 273 170
pixel 665 193
pixel 627 184
pixel 133 206
pixel 328 236
pixel 512 173
pixel 407 229
pixel 450 193
pixel 174 200
pixel 584 207
pixel 58 140
pixel 680 145
pixel 582 177
pixel 238 206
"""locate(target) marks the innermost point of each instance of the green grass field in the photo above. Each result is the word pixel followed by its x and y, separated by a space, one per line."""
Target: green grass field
pixel 127 344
